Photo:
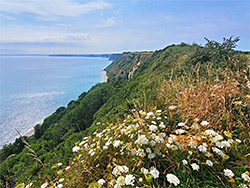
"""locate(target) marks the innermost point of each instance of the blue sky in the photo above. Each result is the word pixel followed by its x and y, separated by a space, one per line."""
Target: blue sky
pixel 106 26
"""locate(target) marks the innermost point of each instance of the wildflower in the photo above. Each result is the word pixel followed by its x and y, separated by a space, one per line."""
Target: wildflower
pixel 218 151
pixel 238 140
pixel 245 176
pixel 129 180
pixel 158 111
pixel 210 132
pixel 105 147
pixel 120 181
pixel 173 179
pixel 181 124
pixel 217 138
pixel 154 172
pixel 153 128
pixel 59 164
pixel 204 123
pixel 140 152
pixel 242 185
pixel 228 172
pixel 148 150
pixel 202 148
pixel 195 166
pixel 44 185
pixel 144 170
pixel 162 125
pixel 61 180
pixel 125 169
pixel 75 148
pixel 180 131
pixel 150 113
pixel 140 179
pixel 142 140
pixel 59 186
pixel 151 156
pixel 184 161
pixel 67 168
pixel 101 181
pixel 116 143
pixel 190 152
pixel 159 139
pixel 209 163
pixel 153 122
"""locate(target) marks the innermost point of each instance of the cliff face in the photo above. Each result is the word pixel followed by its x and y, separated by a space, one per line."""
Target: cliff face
pixel 134 80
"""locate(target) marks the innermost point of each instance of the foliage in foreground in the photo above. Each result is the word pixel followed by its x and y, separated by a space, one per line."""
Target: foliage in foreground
pixel 201 139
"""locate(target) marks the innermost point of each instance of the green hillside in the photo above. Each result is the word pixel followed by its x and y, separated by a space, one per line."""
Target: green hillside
pixel 199 88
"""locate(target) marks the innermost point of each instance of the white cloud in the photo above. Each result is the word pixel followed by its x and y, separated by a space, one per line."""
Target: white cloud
pixel 66 37
pixel 106 23
pixel 51 8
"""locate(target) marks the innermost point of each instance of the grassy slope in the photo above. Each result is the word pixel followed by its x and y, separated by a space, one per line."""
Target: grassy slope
pixel 104 102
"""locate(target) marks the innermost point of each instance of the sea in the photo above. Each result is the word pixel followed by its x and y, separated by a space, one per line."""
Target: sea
pixel 33 86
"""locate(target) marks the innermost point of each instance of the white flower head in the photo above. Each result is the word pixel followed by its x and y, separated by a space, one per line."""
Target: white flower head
pixel 184 161
pixel 246 177
pixel 59 186
pixel 101 181
pixel 228 172
pixel 44 185
pixel 181 124
pixel 129 180
pixel 75 148
pixel 120 181
pixel 154 172
pixel 116 143
pixel 180 131
pixel 153 128
pixel 150 113
pixel 61 180
pixel 142 140
pixel 209 163
pixel 144 170
pixel 204 123
pixel 202 148
pixel 238 140
pixel 151 156
pixel 195 166
pixel 173 179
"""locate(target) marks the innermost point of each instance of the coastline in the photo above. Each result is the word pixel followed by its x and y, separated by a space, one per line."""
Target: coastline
pixel 105 77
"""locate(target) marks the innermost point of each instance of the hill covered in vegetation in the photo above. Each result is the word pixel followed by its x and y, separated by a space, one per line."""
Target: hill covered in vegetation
pixel 174 117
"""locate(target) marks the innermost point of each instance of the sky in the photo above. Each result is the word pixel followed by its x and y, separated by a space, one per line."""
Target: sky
pixel 111 26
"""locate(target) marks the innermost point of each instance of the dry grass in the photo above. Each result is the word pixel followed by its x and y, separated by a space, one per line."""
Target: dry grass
pixel 208 100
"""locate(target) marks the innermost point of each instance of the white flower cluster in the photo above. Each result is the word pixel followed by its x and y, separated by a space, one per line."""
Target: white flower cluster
pixel 148 141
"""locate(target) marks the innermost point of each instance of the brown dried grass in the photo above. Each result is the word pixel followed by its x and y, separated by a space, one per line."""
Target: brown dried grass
pixel 210 100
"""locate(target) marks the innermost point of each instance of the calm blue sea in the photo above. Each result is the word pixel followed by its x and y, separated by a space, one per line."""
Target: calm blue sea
pixel 33 87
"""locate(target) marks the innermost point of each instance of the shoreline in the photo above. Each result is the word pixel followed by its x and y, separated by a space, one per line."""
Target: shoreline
pixel 105 77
